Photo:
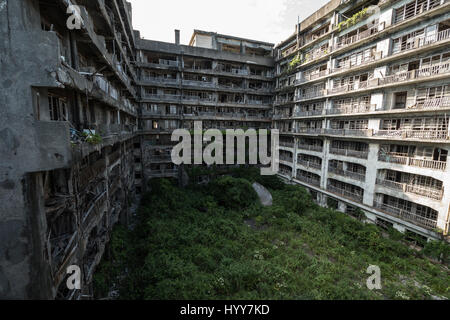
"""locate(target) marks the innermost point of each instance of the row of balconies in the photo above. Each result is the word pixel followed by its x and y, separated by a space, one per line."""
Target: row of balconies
pixel 358 196
pixel 394 158
pixel 205 84
pixel 342 109
pixel 432 134
pixel 406 215
pixel 424 191
pixel 416 43
pixel 347 41
pixel 177 98
pixel 406 160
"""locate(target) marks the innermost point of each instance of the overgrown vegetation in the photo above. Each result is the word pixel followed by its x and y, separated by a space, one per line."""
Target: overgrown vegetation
pixel 352 20
pixel 217 242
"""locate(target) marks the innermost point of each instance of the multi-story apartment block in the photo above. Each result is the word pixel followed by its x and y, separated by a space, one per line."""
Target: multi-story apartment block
pixel 362 101
pixel 360 93
pixel 226 82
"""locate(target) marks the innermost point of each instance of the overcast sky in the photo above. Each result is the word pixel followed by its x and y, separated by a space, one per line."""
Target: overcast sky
pixel 265 20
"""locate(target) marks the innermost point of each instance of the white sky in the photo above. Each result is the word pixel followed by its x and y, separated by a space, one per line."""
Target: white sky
pixel 265 20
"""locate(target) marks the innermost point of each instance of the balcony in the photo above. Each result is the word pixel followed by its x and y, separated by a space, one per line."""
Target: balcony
pixel 287 144
pixel 349 132
pixel 405 160
pixel 316 75
pixel 312 95
pixel 310 164
pixel 198 83
pixel 346 193
pixel 163 97
pixel 311 147
pixel 365 60
pixel 355 38
pixel 309 130
pixel 428 192
pixel 413 134
pixel 352 108
pixel 422 41
pixel 431 104
pixel 309 180
pixel 286 158
pixel 424 72
pixel 161 80
pixel 412 9
pixel 289 51
pixel 406 215
pixel 350 87
pixel 350 153
pixel 345 173
pixel 308 113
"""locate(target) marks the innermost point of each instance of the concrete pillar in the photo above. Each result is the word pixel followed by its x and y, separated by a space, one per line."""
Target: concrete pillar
pixel 371 175
pixel 325 161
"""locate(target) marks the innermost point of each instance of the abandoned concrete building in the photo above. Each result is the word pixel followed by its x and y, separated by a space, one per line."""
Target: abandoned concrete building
pixel 360 93
pixel 362 102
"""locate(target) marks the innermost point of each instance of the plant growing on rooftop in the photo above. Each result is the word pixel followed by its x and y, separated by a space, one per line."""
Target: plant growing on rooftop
pixel 352 20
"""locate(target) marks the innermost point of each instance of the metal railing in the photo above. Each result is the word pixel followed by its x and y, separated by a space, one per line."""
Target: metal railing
pixel 350 153
pixel 432 103
pixel 406 215
pixel 310 164
pixel 428 192
pixel 345 173
pixel 346 193
pixel 308 180
pixel 410 161
pixel 310 147
pixel 413 134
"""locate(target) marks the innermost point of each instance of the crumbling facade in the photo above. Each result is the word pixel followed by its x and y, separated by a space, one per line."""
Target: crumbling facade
pixel 362 102
pixel 361 97
pixel 225 82
pixel 68 128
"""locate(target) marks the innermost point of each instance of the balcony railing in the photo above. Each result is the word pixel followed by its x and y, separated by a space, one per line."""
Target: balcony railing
pixel 287 144
pixel 309 180
pixel 161 80
pixel 345 173
pixel 424 72
pixel 410 161
pixel 171 97
pixel 310 164
pixel 352 108
pixel 428 192
pixel 285 158
pixel 432 103
pixel 350 40
pixel 349 132
pixel 346 193
pixel 406 215
pixel 312 95
pixel 311 147
pixel 350 153
pixel 308 113
pixel 413 134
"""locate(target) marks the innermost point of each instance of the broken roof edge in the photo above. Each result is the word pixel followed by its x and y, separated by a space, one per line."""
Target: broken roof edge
pixel 210 33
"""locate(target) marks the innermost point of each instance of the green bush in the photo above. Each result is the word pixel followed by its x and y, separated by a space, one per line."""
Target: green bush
pixel 233 193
